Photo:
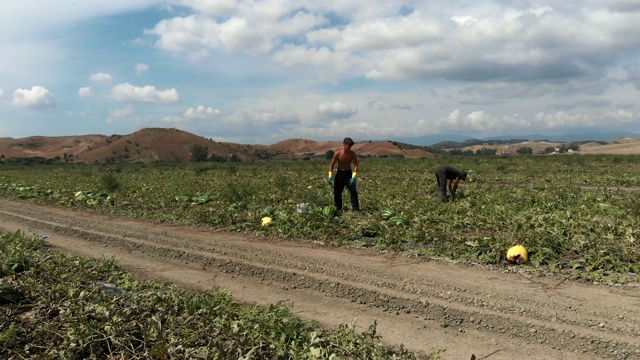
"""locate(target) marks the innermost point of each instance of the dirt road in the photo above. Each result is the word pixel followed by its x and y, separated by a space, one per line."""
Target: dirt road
pixel 424 304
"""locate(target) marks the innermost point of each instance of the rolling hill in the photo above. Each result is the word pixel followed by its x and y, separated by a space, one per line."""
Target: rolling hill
pixel 173 145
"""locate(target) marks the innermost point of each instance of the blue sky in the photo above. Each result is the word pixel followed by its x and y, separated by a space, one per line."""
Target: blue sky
pixel 258 72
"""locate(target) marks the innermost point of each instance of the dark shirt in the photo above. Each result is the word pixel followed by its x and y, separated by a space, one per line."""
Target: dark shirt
pixel 449 172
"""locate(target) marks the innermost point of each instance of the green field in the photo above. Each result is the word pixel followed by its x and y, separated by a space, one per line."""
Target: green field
pixel 575 213
pixel 54 306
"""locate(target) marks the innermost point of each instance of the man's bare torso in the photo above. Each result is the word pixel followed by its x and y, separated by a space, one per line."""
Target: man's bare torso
pixel 345 158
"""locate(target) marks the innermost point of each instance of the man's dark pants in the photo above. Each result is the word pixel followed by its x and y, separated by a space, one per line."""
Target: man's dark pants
pixel 441 176
pixel 340 182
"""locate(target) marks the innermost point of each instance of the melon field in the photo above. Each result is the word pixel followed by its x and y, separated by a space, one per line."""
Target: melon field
pixel 54 306
pixel 406 277
pixel 574 213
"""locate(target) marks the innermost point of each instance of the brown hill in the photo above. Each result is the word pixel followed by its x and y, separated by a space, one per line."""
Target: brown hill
pixel 155 144
pixel 623 145
pixel 168 144
pixel 367 148
pixel 48 147
pixel 537 147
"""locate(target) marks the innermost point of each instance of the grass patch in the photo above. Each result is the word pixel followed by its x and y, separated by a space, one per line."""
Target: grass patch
pixel 64 307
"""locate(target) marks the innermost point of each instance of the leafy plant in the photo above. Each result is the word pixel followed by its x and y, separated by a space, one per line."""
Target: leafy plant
pixel 566 209
pixel 90 308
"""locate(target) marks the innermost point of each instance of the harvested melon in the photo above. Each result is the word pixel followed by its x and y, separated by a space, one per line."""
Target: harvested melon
pixel 517 254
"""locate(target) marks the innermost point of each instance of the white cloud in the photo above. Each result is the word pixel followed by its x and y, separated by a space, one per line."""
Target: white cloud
pixel 201 112
pixel 476 121
pixel 237 35
pixel 538 43
pixel 622 117
pixel 481 122
pixel 186 35
pixel 174 119
pixel 359 130
pixel 119 114
pixel 409 41
pixel 540 10
pixel 36 98
pixel 291 55
pixel 463 20
pixel 251 28
pixel 101 77
pixel 562 119
pixel 506 65
pixel 146 94
pixel 335 110
pixel 269 117
pixel 390 33
pixel 84 92
pixel 141 68
pixel 259 124
pixel 198 113
pixel 1 94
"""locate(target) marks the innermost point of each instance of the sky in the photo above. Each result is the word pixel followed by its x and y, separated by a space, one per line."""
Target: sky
pixel 259 72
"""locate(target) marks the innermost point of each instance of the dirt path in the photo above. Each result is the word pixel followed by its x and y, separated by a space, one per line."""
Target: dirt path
pixel 425 305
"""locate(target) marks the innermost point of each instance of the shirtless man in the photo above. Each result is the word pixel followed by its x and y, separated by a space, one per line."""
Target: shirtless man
pixel 344 176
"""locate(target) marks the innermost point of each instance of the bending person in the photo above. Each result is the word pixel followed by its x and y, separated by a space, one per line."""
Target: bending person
pixel 448 178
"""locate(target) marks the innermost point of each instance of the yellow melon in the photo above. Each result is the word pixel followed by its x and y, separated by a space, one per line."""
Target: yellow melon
pixel 517 254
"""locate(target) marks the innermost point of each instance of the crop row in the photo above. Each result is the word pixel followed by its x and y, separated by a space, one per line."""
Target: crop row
pixel 55 306
pixel 573 212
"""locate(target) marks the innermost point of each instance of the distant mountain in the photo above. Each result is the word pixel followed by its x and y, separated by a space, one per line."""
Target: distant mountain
pixel 173 145
pixel 427 140
pixel 474 142
pixel 575 137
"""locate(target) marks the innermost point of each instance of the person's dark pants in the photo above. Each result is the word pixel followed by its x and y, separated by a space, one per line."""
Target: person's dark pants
pixel 441 176
pixel 339 183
